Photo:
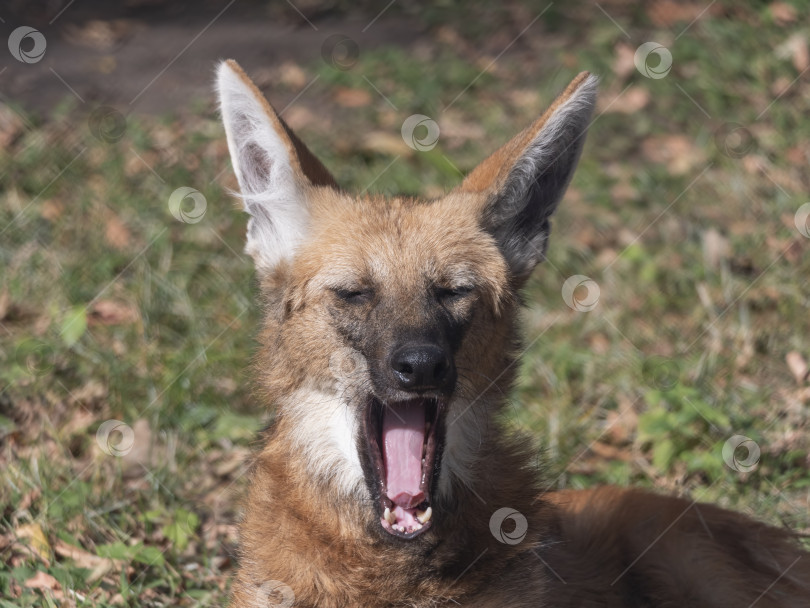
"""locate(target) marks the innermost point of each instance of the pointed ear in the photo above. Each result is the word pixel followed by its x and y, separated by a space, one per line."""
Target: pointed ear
pixel 274 168
pixel 522 182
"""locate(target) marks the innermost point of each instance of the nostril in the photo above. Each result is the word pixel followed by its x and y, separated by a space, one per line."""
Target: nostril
pixel 404 368
pixel 439 370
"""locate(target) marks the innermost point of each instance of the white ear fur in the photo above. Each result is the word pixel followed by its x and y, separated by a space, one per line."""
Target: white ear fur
pixel 270 186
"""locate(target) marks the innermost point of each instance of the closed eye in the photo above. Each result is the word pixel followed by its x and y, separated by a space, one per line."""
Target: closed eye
pixel 354 296
pixel 453 293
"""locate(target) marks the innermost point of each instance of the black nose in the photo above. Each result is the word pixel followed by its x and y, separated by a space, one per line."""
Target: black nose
pixel 420 367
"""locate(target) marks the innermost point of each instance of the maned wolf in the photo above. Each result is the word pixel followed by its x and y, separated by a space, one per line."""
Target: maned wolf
pixel 388 345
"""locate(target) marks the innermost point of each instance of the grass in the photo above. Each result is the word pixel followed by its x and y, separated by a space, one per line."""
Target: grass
pixel 112 309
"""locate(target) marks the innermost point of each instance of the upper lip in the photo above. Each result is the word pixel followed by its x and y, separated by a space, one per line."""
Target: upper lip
pixel 435 409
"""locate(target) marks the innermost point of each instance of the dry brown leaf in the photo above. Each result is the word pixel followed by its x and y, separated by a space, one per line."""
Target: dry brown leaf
pixel 666 13
pixel 292 75
pixel 795 49
pixel 624 63
pixel 42 580
pixel 112 312
pixel 116 232
pixel 352 98
pixel 782 12
pixel 388 144
pixel 298 117
pixel 99 566
pixel 633 100
pixel 798 366
pixel 678 152
pixel 52 209
pixel 609 452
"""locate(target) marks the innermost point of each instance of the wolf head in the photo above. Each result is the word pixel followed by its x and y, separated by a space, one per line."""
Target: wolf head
pixel 390 324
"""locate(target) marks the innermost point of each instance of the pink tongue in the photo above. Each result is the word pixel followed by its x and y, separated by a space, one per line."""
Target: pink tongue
pixel 403 435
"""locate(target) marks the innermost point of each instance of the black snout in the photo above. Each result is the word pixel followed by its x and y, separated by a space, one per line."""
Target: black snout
pixel 421 367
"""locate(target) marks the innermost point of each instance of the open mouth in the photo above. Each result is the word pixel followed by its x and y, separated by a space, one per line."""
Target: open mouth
pixel 405 440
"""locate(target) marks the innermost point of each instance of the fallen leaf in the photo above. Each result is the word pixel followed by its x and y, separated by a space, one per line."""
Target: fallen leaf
pixel 624 62
pixel 666 13
pixel 795 49
pixel 42 580
pixel 112 312
pixel 352 98
pixel 798 366
pixel 52 209
pixel 36 540
pixel 678 152
pixel 388 144
pixel 99 566
pixel 292 75
pixel 783 13
pixel 116 232
pixel 633 100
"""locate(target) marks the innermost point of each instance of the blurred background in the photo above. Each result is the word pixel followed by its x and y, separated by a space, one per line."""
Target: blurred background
pixel 667 333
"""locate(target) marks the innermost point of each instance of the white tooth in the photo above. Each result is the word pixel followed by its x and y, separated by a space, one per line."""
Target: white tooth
pixel 389 517
pixel 424 516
